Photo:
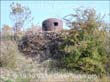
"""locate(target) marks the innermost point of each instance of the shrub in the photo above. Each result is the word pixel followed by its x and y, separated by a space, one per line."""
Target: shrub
pixel 40 46
pixel 85 51
pixel 85 43
pixel 107 47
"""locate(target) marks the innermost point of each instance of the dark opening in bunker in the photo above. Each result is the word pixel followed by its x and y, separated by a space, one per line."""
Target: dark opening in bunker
pixel 55 23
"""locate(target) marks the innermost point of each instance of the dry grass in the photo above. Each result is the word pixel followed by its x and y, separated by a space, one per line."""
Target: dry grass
pixel 18 68
pixel 9 54
pixel 53 77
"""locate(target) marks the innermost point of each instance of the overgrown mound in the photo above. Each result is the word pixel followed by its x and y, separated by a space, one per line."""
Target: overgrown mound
pixel 41 45
pixel 74 50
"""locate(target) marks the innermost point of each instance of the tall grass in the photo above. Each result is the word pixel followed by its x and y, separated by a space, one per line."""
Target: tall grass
pixel 9 54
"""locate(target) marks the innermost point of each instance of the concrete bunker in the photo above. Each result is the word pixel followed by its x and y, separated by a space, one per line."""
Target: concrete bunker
pixel 52 24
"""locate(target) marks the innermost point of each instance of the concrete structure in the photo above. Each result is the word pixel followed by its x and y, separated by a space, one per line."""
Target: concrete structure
pixel 52 24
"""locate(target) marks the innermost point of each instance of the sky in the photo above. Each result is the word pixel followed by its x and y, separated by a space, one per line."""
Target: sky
pixel 42 10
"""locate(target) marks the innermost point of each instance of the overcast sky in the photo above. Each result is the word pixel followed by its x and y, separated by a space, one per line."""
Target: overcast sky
pixel 47 9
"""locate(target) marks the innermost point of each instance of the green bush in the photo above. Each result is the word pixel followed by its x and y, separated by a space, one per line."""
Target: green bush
pixel 107 47
pixel 85 52
pixel 85 43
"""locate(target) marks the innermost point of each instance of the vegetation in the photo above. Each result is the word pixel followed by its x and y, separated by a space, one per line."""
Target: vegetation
pixel 19 15
pixel 8 56
pixel 107 47
pixel 83 49
pixel 85 46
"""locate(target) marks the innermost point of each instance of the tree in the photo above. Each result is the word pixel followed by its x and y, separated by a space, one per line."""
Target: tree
pixel 19 15
pixel 82 17
pixel 84 43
